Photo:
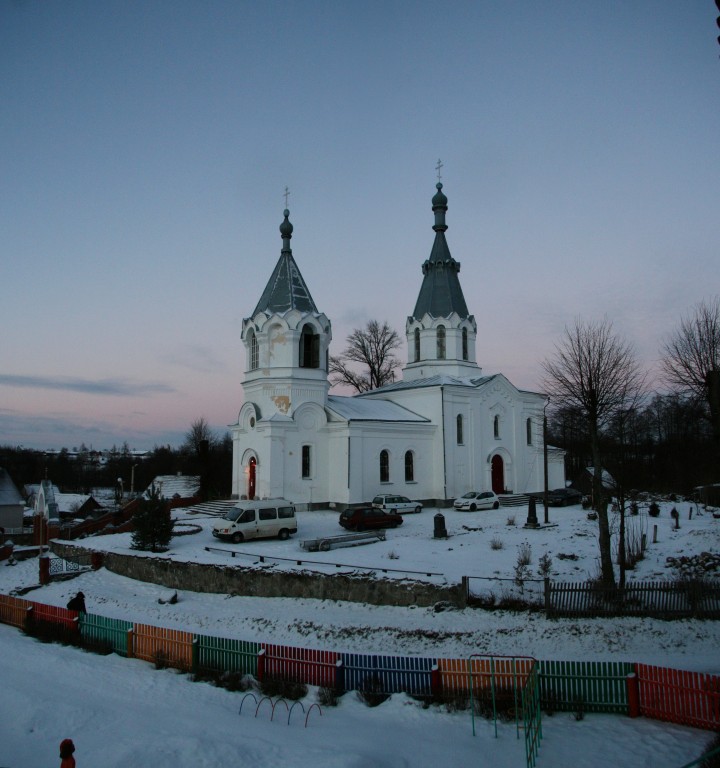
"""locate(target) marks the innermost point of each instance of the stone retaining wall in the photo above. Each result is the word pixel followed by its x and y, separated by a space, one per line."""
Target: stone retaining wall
pixel 268 582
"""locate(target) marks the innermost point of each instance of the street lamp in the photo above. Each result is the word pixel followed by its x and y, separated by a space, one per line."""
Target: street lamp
pixel 545 461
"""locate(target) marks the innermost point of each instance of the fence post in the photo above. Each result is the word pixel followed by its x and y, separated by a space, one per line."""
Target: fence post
pixel 339 677
pixel 195 656
pixel 435 682
pixel 96 560
pixel 44 561
pixel 29 617
pixel 130 649
pixel 547 593
pixel 633 695
pixel 261 665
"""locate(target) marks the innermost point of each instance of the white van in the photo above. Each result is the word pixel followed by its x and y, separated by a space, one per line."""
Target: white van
pixel 257 519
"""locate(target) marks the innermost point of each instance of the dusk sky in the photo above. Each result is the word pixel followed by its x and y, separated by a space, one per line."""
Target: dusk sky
pixel 145 148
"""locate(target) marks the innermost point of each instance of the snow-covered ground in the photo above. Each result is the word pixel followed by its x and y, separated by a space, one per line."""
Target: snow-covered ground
pixel 123 711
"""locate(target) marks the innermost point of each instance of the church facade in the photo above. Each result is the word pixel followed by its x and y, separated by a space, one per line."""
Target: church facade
pixel 443 430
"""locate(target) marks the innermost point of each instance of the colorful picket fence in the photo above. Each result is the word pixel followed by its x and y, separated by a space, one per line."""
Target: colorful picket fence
pixel 596 686
pixel 385 674
pixel 687 698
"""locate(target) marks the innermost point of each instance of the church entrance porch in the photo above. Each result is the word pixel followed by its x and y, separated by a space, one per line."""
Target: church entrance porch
pixel 497 474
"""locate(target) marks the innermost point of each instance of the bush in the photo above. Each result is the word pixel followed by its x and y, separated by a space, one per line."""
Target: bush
pixel 287 689
pixel 496 544
pixel 372 691
pixel 328 697
pixel 714 760
pixel 654 509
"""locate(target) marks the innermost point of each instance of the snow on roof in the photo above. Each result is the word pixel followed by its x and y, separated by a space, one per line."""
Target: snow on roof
pixel 9 494
pixel 183 486
pixel 355 409
pixel 440 380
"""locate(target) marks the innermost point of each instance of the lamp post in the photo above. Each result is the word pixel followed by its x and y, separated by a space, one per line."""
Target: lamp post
pixel 545 461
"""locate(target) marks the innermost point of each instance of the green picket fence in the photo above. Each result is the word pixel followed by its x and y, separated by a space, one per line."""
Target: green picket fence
pixel 104 631
pixel 596 686
pixel 221 654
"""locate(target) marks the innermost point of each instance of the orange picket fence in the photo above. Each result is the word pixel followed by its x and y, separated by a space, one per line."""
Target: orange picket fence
pixel 163 647
pixel 500 672
pixel 687 698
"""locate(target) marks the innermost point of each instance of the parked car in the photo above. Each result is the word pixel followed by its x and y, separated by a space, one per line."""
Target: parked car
pixel 391 502
pixel 368 518
pixel 477 500
pixel 562 497
pixel 257 519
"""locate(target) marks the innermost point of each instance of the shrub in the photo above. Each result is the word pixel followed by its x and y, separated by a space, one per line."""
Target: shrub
pixel 714 760
pixel 545 566
pixel 287 689
pixel 328 697
pixel 654 509
pixel 511 520
pixel 496 544
pixel 524 557
pixel 372 691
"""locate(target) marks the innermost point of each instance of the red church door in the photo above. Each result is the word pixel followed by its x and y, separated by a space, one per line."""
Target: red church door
pixel 252 464
pixel 497 471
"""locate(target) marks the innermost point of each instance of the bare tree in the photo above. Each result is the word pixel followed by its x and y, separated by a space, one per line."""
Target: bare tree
pixel 373 347
pixel 199 438
pixel 595 372
pixel 691 359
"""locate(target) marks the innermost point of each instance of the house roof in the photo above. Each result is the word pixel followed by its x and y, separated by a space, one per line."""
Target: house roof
pixel 9 494
pixel 183 486
pixel 440 293
pixel 286 289
pixel 356 409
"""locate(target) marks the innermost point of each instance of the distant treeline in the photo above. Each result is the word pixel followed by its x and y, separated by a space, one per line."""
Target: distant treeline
pixel 83 470
pixel 664 446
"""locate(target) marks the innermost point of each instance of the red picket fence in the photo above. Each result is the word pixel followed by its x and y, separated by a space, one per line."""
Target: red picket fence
pixel 13 610
pixel 303 665
pixel 686 698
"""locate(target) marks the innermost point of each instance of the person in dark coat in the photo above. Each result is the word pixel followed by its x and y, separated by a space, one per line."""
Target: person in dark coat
pixel 66 753
pixel 77 603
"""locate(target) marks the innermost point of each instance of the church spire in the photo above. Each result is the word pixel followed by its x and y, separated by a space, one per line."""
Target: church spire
pixel 440 293
pixel 286 289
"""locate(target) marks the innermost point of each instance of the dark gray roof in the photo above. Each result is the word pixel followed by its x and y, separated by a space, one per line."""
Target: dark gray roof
pixel 286 288
pixel 440 293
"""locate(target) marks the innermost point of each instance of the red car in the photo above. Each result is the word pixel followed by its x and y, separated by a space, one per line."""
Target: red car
pixel 367 518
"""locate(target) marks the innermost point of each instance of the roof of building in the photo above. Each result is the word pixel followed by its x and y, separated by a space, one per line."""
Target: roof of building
pixel 286 289
pixel 439 380
pixel 182 486
pixel 440 292
pixel 356 409
pixel 9 494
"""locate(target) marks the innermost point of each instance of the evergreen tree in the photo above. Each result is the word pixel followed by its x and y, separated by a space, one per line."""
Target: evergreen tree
pixel 153 523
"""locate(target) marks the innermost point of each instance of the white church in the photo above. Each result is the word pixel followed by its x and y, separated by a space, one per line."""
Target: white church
pixel 443 430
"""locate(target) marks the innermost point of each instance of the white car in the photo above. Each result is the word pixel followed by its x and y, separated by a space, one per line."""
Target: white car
pixel 390 502
pixel 477 500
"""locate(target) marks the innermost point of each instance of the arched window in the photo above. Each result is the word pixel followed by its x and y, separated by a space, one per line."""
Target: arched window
pixel 459 428
pixel 254 362
pixel 528 430
pixel 309 347
pixel 464 344
pixel 417 345
pixel 384 467
pixel 409 467
pixel 306 466
pixel 441 342
pixel 496 426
